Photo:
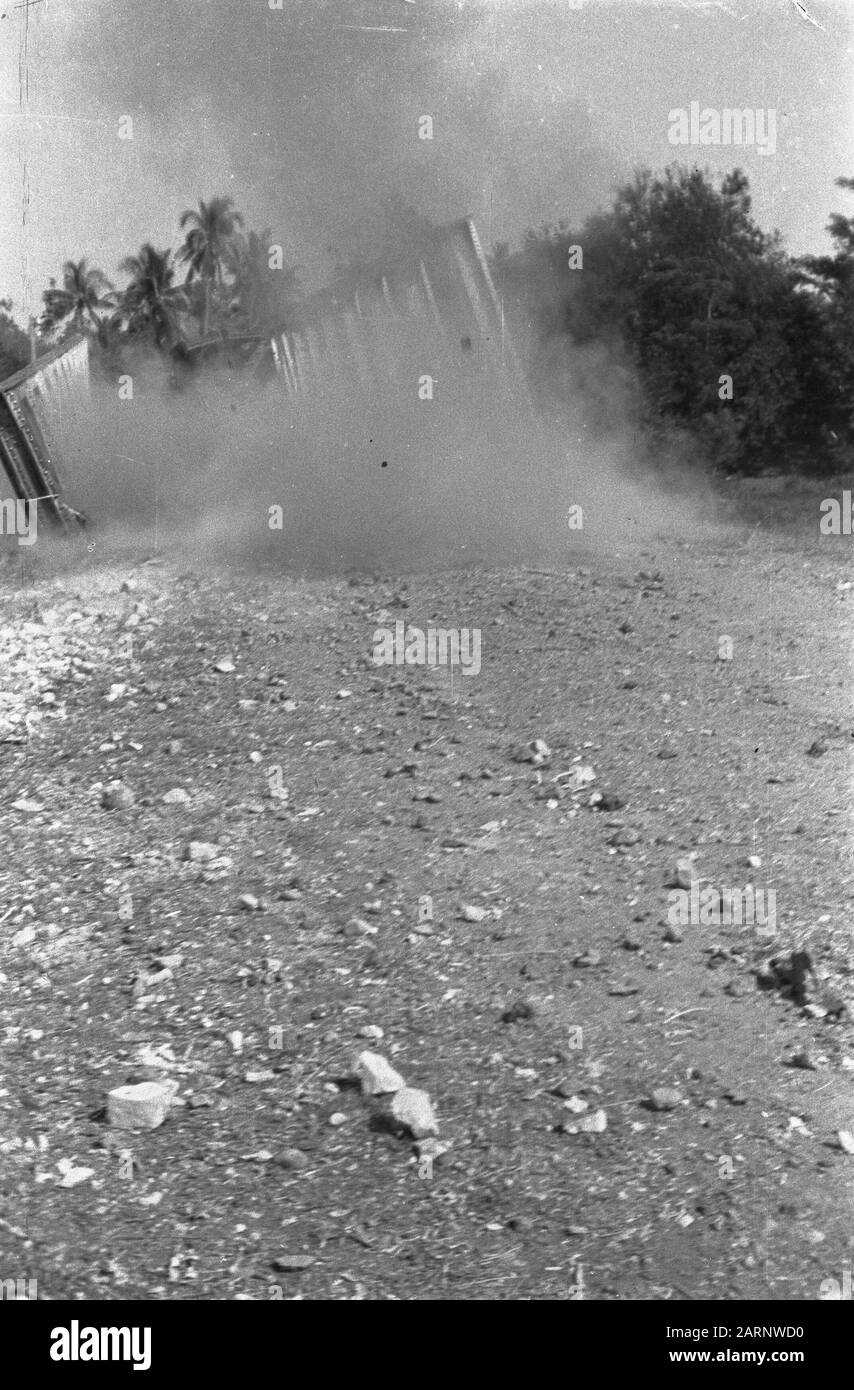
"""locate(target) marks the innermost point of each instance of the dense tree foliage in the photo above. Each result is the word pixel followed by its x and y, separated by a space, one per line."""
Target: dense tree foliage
pixel 730 339
pixel 14 343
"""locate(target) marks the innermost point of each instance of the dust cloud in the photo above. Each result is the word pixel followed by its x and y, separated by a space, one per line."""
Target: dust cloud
pixel 368 475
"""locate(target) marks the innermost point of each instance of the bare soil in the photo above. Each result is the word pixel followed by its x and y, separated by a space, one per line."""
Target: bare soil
pixel 273 1176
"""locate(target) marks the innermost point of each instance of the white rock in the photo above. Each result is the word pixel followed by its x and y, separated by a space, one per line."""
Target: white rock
pixel 144 1106
pixel 372 1031
pixel 580 777
pixel 236 1041
pixel 201 851
pixel 225 666
pixel 474 914
pixel 412 1108
pixel 24 937
pixel 176 797
pixel 594 1123
pixel 576 1105
pixel 71 1176
pixel 846 1140
pixel 378 1077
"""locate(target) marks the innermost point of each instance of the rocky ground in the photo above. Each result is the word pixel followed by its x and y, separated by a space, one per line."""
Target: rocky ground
pixel 468 877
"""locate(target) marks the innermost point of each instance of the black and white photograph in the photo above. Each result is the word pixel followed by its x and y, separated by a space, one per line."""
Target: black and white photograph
pixel 426 721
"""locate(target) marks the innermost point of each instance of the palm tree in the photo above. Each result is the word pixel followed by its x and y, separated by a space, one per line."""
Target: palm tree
pixel 263 295
pixel 206 245
pixel 152 299
pixel 83 292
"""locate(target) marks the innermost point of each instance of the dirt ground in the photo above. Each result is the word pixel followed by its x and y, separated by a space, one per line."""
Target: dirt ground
pixel 426 872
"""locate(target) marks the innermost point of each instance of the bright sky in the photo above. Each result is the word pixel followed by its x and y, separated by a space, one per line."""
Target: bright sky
pixel 308 115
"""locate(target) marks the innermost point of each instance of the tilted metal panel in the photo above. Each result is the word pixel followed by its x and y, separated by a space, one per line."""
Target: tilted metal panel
pixel 42 410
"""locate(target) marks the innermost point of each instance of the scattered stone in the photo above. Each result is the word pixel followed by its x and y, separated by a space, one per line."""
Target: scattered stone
pixel 25 937
pixel 262 1074
pixel 378 1077
pixel 474 914
pixel 846 1140
pixel 578 778
pixel 683 875
pixel 632 942
pixel 431 1148
pixel 412 1108
pixel 248 902
pixel 293 1159
pixel 834 1004
pixel 372 1031
pixel 144 1106
pixel 25 803
pixel 816 749
pixel 337 1118
pixel 794 975
pixel 673 933
pixel 607 801
pixel 200 1100
pixel 343 694
pixel 518 1011
pixel 753 861
pixel 576 1105
pixel 117 797
pixel 802 1060
pixel 201 851
pixel 594 1123
pixel 587 959
pixel 172 962
pixel 176 796
pixel 71 1176
pixel 625 836
pixel 665 1098
pixel 288 1263
pixel 225 666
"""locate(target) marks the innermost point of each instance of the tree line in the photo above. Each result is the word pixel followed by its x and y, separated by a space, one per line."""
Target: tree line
pixel 738 349
pixel 726 342
pixel 234 284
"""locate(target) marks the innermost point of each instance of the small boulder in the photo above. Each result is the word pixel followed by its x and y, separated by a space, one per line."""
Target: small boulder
pixel 144 1106
pixel 412 1108
pixel 378 1077
pixel 665 1098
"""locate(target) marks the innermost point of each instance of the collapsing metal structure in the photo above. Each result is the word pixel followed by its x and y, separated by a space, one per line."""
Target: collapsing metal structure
pixel 443 291
pixel 43 409
pixel 435 303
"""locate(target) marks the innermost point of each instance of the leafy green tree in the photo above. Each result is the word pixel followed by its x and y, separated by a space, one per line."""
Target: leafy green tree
pixel 831 280
pixel 85 291
pixel 14 343
pixel 152 302
pixel 209 234
pixel 680 282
